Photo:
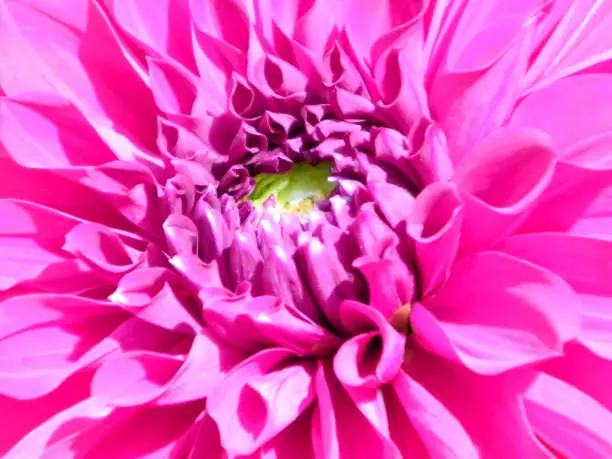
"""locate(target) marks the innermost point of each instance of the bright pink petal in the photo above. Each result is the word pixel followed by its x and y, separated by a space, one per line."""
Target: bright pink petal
pixel 63 54
pixel 441 433
pixel 585 264
pixel 337 423
pixel 260 398
pixel 489 407
pixel 474 99
pixel 39 130
pixel 502 177
pixel 166 29
pixel 435 226
pixel 534 312
pixel 567 419
pixel 552 109
pixel 44 339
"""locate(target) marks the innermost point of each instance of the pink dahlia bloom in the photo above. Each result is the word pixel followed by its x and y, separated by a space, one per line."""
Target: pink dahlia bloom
pixel 305 229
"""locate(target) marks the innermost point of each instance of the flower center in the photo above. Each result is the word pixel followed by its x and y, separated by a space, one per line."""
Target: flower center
pixel 295 191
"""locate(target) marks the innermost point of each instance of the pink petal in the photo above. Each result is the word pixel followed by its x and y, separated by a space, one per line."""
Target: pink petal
pixel 435 226
pixel 551 109
pixel 337 423
pixel 174 89
pixel 504 176
pixel 585 264
pixel 44 339
pixel 404 99
pixel 579 38
pixel 576 201
pixel 134 378
pixel 256 323
pixel 157 296
pixel 372 357
pixel 19 417
pixel 56 192
pixel 441 433
pixel 260 398
pixel 40 130
pixel 567 419
pixel 584 370
pixel 166 29
pixel 534 312
pixel 102 248
pixel 73 51
pixel 59 428
pixel 329 288
pixel 475 101
pixel 489 407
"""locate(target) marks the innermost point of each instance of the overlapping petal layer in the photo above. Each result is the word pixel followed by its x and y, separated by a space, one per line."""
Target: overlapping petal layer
pixel 448 298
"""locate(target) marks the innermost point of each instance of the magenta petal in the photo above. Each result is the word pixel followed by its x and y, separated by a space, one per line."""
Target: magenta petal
pixel 329 288
pixel 502 177
pixel 475 101
pixel 174 89
pixel 259 398
pixel 39 130
pixel 154 295
pixel 567 419
pixel 585 264
pixel 337 423
pixel 255 323
pixel 440 431
pixel 435 226
pixel 134 378
pixel 166 29
pixel 46 338
pixel 39 440
pixel 526 325
pixel 376 352
pixel 551 109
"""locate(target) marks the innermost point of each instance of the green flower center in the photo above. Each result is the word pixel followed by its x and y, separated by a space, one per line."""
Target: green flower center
pixel 295 191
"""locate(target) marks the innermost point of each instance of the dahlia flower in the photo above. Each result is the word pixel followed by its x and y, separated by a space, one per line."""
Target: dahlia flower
pixel 314 229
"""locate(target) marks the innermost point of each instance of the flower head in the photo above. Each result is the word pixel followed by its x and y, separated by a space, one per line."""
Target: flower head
pixel 303 228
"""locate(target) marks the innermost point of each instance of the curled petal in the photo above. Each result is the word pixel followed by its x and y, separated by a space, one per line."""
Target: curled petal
pixel 261 397
pixel 435 227
pixel 504 176
pixel 372 357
